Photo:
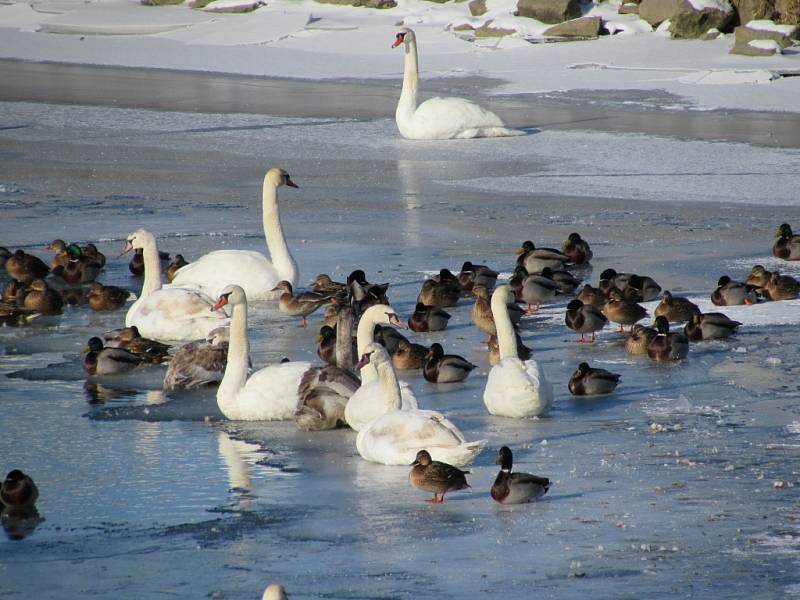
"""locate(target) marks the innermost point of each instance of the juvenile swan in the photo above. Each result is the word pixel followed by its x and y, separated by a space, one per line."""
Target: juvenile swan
pixel 439 118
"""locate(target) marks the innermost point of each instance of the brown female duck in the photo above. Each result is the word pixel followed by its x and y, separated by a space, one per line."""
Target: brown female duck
pixel 639 339
pixel 299 305
pixel 14 292
pixel 621 311
pixel 782 287
pixel 26 267
pixel 437 477
pixel 588 381
pixel 787 246
pixel 667 346
pixel 42 299
pixel 584 318
pixel 577 249
pixel 676 309
pixel 130 339
pixel 445 368
pixel 493 346
pixel 516 488
pixel 428 318
pixel 18 491
pixel 472 275
pixel 409 355
pixel 482 311
pixel 438 293
pixel 106 297
pixel 177 263
pixel 758 277
pixel 592 295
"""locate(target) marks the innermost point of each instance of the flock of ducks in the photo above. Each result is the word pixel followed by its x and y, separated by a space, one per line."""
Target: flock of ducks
pixel 360 343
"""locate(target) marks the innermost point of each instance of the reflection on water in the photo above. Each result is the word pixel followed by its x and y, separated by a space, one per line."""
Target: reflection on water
pixel 18 523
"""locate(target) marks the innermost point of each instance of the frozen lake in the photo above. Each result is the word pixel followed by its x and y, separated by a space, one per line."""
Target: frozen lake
pixel 664 489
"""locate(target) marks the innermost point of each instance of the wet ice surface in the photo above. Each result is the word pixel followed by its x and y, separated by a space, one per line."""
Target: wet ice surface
pixel 663 489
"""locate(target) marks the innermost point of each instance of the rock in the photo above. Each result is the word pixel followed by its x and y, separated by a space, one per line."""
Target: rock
pixel 757 48
pixel 486 30
pixel 549 11
pixel 629 8
pixel 365 3
pixel 477 8
pixel 711 34
pixel 658 11
pixel 239 8
pixel 690 22
pixel 585 27
pixel 753 9
pixel 767 30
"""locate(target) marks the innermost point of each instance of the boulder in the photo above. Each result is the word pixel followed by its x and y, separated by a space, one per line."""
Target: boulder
pixel 629 8
pixel 711 34
pixel 477 7
pixel 753 9
pixel 766 30
pixel 486 30
pixel 585 27
pixel 658 11
pixel 756 48
pixel 549 11
pixel 695 17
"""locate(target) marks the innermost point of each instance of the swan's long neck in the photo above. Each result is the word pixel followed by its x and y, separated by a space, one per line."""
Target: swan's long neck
pixel 238 352
pixel 390 388
pixel 152 268
pixel 273 231
pixel 506 338
pixel 408 96
pixel 365 335
pixel 343 350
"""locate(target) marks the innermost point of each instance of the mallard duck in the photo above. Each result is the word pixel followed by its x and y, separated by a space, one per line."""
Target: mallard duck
pixel 535 260
pixel 14 292
pixel 493 346
pixel 42 299
pixel 639 339
pixel 388 337
pixel 25 267
pixel 710 326
pixel 782 287
pixel 482 311
pixel 787 246
pixel 446 277
pixel 12 315
pixel 609 278
pixel 150 351
pixel 136 264
pixel 74 296
pixel 364 294
pixel 323 284
pixel 592 295
pixel 106 297
pixel 677 309
pixel 758 277
pixel 516 488
pixel 77 272
pixel 91 252
pixel 584 318
pixel 177 263
pixel 646 286
pixel 428 318
pixel 588 381
pixel 437 477
pixel 409 356
pixel 437 293
pixel 472 275
pixel 61 257
pixel 732 293
pixel 18 490
pixel 445 368
pixel 621 311
pixel 326 344
pixel 567 283
pixel 198 364
pixel 666 345
pixel 538 288
pixel 577 249
pixel 5 254
pixel 108 361
pixel 299 305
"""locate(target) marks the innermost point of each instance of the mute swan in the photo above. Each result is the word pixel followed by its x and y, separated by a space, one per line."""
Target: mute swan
pixel 272 393
pixel 368 401
pixel 439 118
pixel 395 437
pixel 514 388
pixel 167 313
pixel 245 268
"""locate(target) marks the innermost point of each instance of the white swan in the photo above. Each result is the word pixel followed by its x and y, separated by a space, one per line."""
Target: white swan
pixel 245 268
pixel 269 394
pixel 395 437
pixel 166 314
pixel 439 118
pixel 364 405
pixel 514 388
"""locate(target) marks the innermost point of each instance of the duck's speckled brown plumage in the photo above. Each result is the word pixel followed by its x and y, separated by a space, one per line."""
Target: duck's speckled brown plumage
pixel 639 339
pixel 18 490
pixel 437 477
pixel 442 294
pixel 106 297
pixel 177 263
pixel 25 267
pixel 409 355
pixel 782 287
pixel 41 298
pixel 577 249
pixel 676 309
pixel 619 310
pixel 787 246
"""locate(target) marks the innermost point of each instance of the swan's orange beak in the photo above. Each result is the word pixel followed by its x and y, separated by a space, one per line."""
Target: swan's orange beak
pixel 126 248
pixel 398 39
pixel 223 300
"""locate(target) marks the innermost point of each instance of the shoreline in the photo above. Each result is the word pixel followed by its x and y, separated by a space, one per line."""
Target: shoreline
pixel 215 92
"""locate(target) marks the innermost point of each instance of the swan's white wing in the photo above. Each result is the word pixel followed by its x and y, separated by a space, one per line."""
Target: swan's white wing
pixel 449 118
pixel 175 314
pixel 270 394
pixel 517 390
pixel 250 270
pixel 365 405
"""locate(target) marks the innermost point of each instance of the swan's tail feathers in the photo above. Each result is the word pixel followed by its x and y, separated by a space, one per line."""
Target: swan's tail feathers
pixel 460 455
